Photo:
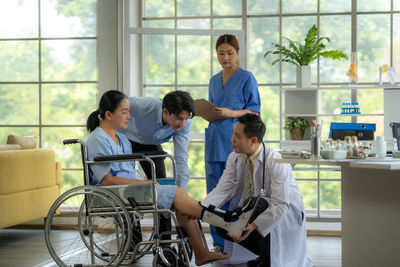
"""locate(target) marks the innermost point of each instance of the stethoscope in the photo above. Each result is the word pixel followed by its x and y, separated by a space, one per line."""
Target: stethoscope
pixel 263 192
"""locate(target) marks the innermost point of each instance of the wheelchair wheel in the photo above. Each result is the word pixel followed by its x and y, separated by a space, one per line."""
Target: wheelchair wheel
pixel 170 258
pixel 96 227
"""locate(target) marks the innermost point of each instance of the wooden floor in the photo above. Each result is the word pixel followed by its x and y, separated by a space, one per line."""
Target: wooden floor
pixel 27 248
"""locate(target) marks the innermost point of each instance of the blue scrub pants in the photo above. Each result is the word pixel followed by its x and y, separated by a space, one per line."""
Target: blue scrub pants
pixel 214 170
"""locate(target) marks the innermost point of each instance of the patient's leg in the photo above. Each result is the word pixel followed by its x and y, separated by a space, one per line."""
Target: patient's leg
pixel 187 205
pixel 192 230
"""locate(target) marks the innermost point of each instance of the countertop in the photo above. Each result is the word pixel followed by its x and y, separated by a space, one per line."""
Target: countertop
pixel 369 163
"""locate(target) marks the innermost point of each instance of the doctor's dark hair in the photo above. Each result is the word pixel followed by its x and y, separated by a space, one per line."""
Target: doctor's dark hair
pixel 253 126
pixel 177 101
pixel 109 101
pixel 227 39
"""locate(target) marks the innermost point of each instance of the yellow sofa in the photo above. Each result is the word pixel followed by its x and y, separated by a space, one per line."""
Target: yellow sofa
pixel 29 184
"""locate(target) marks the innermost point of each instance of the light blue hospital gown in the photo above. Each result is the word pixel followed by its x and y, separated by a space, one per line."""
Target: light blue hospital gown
pixel 101 144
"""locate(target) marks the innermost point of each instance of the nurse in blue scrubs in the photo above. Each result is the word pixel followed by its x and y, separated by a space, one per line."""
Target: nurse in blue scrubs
pixel 234 91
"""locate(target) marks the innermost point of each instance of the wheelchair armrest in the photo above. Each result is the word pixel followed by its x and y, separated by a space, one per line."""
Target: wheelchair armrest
pixel 70 141
pixel 119 157
pixel 152 153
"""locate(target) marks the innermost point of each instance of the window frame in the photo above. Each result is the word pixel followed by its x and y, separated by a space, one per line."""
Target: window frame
pixel 245 16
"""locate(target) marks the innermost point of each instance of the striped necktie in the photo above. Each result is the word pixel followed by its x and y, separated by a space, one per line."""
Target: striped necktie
pixel 248 188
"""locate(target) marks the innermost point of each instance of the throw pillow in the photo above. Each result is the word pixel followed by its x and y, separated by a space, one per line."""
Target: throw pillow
pixel 26 142
pixel 9 147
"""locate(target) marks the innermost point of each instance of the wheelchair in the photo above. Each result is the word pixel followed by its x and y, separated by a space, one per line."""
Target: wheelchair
pixel 103 222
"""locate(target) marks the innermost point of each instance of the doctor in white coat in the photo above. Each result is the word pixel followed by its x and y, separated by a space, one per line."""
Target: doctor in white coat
pixel 281 228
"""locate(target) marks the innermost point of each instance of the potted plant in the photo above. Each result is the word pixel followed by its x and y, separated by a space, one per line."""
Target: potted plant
pixel 296 126
pixel 302 55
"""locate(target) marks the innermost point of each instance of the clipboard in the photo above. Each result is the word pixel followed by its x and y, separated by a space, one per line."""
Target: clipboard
pixel 203 108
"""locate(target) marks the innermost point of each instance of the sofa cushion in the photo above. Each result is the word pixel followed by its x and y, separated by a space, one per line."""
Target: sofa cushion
pixel 26 206
pixel 9 147
pixel 26 142
pixel 22 170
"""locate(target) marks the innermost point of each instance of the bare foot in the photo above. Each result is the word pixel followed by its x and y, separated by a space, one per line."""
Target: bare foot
pixel 209 257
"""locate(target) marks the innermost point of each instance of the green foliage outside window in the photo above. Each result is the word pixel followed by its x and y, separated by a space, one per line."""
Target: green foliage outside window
pixel 62 99
pixel 70 103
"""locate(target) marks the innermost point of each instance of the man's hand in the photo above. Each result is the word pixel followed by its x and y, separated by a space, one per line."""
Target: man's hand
pixel 247 230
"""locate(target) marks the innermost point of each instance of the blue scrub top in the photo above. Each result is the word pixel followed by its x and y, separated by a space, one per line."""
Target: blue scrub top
pixel 239 92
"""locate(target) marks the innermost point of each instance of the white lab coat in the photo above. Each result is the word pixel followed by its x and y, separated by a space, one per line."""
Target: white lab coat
pixel 282 219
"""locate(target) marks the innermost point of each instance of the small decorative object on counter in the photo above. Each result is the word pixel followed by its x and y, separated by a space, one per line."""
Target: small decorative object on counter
pixel 347 142
pixel 327 145
pixel 361 152
pixel 395 149
pixel 372 152
pixel 391 72
pixel 380 146
pixel 338 145
pixel 296 127
pixel 350 108
pixel 315 140
pixel 352 72
pixel 392 75
pixel 354 146
pixel 366 150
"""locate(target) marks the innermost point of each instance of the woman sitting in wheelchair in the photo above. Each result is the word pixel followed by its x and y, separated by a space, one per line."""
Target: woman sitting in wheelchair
pixel 104 140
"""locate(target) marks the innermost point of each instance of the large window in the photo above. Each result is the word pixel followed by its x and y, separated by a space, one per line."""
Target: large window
pixel 183 62
pixel 48 76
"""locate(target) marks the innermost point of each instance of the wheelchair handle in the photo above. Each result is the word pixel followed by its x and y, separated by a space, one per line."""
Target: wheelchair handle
pixel 70 141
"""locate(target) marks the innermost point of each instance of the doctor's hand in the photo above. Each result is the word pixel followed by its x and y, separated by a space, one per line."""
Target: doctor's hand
pixel 247 231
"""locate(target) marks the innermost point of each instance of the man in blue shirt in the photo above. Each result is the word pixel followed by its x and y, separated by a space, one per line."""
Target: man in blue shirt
pixel 155 121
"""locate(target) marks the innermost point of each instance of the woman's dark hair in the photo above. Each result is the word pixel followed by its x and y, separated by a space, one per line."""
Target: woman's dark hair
pixel 228 39
pixel 253 126
pixel 109 101
pixel 177 101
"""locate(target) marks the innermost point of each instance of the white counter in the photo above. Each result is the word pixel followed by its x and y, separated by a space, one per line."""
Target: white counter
pixel 370 210
pixel 370 163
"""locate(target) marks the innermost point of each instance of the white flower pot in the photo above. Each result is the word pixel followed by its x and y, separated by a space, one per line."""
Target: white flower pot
pixel 303 76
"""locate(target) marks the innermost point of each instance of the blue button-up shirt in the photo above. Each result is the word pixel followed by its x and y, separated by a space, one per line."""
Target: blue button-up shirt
pixel 146 127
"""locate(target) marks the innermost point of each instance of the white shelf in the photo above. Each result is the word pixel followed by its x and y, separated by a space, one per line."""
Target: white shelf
pixel 295 141
pixel 374 86
pixel 300 89
pixel 358 115
pixel 343 86
pixel 298 145
pixel 299 115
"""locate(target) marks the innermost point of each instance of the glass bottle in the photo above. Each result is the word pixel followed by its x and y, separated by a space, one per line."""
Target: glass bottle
pixel 371 150
pixel 394 145
pixel 347 143
pixel 354 146
pixel 380 147
pixel 337 145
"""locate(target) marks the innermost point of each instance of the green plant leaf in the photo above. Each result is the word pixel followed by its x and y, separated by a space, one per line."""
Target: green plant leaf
pixel 303 54
pixel 296 122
